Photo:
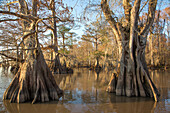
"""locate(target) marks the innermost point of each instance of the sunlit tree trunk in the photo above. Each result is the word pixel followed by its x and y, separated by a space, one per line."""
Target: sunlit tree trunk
pixel 34 80
pixel 97 57
pixel 57 64
pixel 133 75
pixel 51 50
pixel 151 50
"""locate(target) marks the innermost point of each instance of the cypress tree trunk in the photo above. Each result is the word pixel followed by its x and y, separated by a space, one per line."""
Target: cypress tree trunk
pixel 57 64
pixel 151 49
pixel 34 81
pixel 132 78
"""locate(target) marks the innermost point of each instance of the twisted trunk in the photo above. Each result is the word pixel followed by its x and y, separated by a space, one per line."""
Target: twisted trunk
pixel 132 76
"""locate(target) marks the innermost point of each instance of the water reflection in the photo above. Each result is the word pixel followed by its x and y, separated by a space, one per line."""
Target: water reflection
pixel 84 91
pixel 127 107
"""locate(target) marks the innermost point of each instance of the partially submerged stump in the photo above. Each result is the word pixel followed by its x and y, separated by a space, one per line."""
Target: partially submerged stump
pixel 33 82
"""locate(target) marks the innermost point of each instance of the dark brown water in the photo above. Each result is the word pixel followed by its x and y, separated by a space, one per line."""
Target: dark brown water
pixel 84 92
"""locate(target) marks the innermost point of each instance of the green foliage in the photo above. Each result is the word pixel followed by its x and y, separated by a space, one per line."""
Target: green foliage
pixel 98 54
pixel 63 29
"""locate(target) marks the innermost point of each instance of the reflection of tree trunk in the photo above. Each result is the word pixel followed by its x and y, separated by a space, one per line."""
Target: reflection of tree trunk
pixel 89 59
pixel 96 93
pixel 97 76
pixel 34 81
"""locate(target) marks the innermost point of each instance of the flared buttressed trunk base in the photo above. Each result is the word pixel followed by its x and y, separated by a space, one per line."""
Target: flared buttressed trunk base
pixel 34 82
pixel 134 78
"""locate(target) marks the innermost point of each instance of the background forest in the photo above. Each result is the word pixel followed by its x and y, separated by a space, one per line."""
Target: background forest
pixel 82 40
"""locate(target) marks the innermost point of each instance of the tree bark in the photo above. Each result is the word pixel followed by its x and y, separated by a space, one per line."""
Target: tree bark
pixel 133 76
pixel 51 50
pixel 151 49
pixel 34 81
pixel 57 64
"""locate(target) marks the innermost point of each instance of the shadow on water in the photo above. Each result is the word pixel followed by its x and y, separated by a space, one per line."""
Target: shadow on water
pixel 84 92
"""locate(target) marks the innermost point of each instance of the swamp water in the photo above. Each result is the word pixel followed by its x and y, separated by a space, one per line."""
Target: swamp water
pixel 84 92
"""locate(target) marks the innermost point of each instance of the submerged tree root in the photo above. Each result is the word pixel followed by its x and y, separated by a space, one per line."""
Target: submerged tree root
pixel 34 82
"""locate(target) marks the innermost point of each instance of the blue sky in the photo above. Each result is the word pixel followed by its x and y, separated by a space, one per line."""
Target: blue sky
pixel 78 10
pixel 79 6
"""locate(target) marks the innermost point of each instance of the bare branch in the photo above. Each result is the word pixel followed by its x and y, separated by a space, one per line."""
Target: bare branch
pixel 8 20
pixel 26 17
pixel 48 27
pixel 127 8
pixel 59 19
pixel 150 17
pixel 143 6
pixel 25 36
pixel 10 57
pixel 88 40
pixel 108 15
pixel 8 50
pixel 12 3
pixel 16 49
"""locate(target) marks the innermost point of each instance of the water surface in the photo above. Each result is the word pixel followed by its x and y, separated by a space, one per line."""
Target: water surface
pixel 84 92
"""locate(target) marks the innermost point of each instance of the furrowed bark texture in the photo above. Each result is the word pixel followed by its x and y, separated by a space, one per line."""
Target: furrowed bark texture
pixel 34 81
pixel 133 75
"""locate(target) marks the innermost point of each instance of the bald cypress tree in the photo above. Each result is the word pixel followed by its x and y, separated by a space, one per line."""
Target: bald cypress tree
pixel 34 80
pixel 131 37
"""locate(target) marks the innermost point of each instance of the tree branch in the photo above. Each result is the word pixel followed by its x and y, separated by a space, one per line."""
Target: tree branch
pixel 19 15
pixel 144 6
pixel 87 40
pixel 8 20
pixel 10 57
pixel 134 25
pixel 16 49
pixel 150 17
pixel 48 27
pixel 127 8
pixel 25 36
pixel 107 13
